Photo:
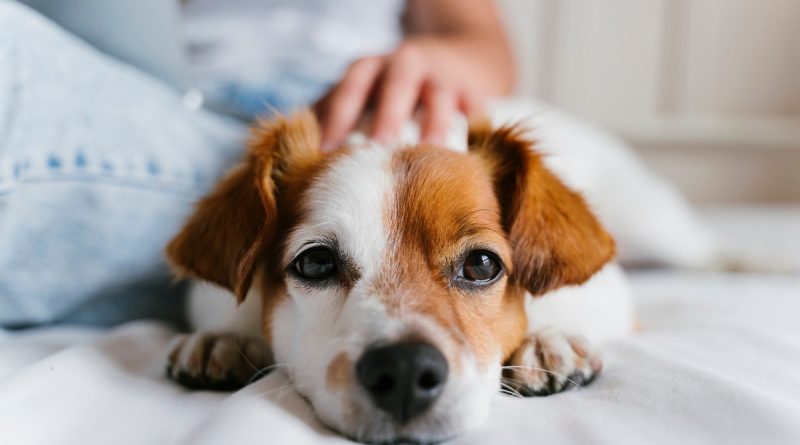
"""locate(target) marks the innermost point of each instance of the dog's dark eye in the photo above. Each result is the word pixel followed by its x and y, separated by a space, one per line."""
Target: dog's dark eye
pixel 480 266
pixel 315 263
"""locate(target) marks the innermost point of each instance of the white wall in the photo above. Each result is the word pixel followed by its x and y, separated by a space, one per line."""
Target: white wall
pixel 707 90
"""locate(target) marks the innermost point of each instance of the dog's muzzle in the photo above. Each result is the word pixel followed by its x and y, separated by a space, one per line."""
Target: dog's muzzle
pixel 403 379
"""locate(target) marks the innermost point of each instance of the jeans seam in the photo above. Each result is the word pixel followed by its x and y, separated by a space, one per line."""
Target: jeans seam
pixel 174 187
pixel 55 169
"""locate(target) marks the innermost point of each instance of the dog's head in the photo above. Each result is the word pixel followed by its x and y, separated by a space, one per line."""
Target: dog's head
pixel 393 281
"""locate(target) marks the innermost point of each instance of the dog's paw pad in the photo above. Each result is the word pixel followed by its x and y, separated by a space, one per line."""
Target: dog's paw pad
pixel 219 361
pixel 549 362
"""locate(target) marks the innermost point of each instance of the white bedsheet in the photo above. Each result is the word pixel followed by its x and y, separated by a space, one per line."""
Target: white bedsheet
pixel 717 361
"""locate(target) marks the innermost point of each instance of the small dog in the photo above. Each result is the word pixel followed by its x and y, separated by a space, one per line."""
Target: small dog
pixel 400 289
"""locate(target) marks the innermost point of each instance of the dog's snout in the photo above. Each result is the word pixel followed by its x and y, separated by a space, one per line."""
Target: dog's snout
pixel 403 379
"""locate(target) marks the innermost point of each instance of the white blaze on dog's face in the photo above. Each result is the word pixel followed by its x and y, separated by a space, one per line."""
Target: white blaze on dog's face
pixel 391 289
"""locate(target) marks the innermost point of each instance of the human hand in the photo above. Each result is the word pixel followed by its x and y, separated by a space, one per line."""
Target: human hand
pixel 438 74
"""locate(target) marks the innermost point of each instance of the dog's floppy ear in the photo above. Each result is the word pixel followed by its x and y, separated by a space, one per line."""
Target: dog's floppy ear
pixel 231 226
pixel 555 238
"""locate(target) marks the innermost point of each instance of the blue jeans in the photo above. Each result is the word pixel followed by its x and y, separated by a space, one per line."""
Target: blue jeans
pixel 99 166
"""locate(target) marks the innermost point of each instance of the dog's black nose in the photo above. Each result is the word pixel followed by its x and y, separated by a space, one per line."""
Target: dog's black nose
pixel 403 379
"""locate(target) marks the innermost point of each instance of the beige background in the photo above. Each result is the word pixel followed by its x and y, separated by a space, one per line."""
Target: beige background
pixel 708 91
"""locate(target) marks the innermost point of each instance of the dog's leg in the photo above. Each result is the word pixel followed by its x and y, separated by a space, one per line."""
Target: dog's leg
pixel 222 361
pixel 223 355
pixel 548 362
pixel 558 354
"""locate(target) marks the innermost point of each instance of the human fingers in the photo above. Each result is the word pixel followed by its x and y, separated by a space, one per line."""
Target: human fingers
pixel 342 108
pixel 439 106
pixel 471 104
pixel 399 93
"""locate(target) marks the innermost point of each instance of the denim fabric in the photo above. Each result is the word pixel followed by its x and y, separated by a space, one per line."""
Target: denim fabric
pixel 99 166
pixel 281 94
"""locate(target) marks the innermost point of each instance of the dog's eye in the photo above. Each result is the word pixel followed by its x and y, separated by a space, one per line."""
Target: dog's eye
pixel 315 263
pixel 480 266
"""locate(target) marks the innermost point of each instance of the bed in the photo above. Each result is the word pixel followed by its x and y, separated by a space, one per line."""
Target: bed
pixel 717 360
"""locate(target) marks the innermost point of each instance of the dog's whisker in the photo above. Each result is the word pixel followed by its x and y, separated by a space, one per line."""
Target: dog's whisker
pixel 271 391
pixel 280 391
pixel 512 380
pixel 282 394
pixel 531 368
pixel 244 356
pixel 266 370
pixel 508 383
pixel 274 390
pixel 513 394
pixel 510 390
pixel 577 384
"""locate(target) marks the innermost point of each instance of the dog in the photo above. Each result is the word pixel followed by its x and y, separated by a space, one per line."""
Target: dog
pixel 399 288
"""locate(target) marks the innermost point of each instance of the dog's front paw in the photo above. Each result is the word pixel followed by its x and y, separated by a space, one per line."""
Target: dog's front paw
pixel 549 362
pixel 219 361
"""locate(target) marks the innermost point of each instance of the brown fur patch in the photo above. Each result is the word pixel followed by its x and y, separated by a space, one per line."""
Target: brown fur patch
pixel 222 239
pixel 242 223
pixel 557 240
pixel 230 228
pixel 339 372
pixel 445 207
pixel 502 198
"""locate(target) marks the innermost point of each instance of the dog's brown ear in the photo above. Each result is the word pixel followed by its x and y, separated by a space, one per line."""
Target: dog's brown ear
pixel 555 238
pixel 230 227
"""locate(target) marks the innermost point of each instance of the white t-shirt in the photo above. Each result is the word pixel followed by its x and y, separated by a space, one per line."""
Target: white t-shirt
pixel 284 53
